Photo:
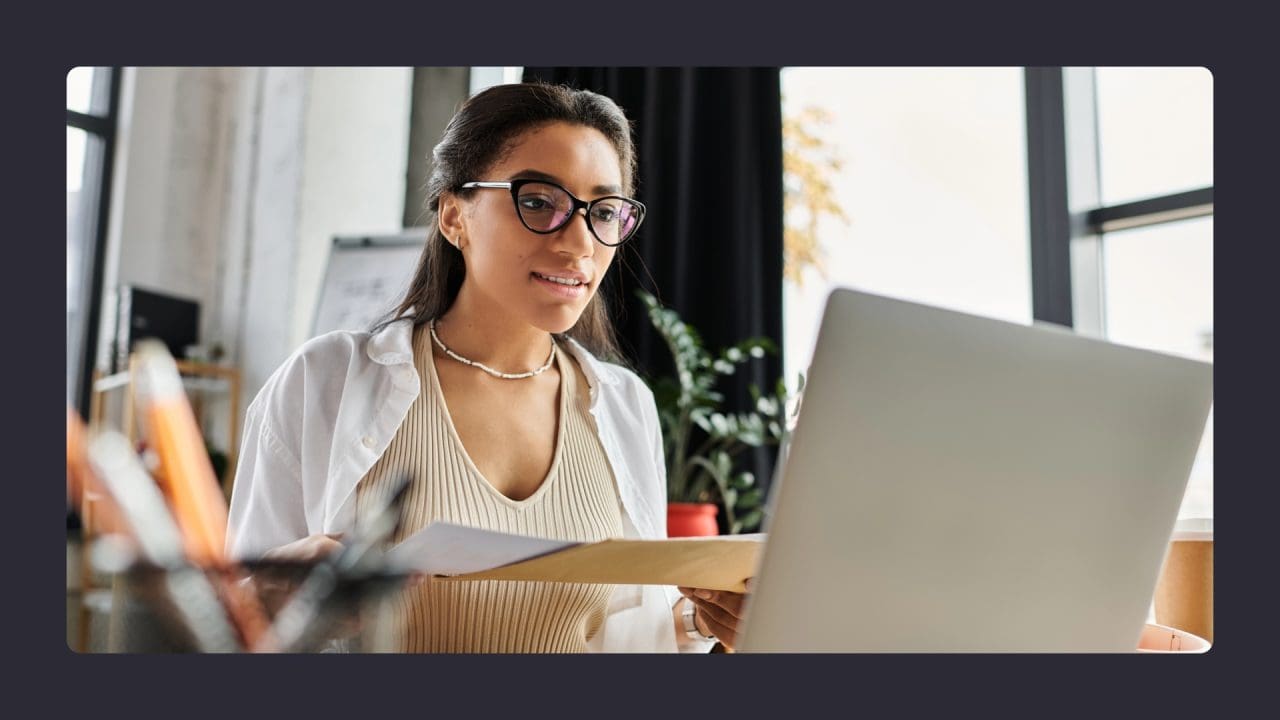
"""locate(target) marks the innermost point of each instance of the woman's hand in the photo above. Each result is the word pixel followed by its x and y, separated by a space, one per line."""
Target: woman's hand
pixel 274 591
pixel 719 612
pixel 308 549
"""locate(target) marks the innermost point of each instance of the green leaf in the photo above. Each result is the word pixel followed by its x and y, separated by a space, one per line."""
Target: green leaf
pixel 751 521
pixel 749 429
pixel 723 465
pixel 767 406
pixel 730 497
pixel 750 499
pixel 719 424
pixel 736 428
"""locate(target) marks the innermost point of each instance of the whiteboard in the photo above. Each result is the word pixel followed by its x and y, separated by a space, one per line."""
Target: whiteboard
pixel 365 277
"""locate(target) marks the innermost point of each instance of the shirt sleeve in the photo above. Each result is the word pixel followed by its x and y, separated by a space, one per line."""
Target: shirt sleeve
pixel 266 499
pixel 684 643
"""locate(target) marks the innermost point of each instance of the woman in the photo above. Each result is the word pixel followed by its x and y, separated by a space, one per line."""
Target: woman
pixel 487 388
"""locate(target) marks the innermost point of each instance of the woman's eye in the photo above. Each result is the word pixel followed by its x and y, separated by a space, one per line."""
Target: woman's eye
pixel 532 202
pixel 605 214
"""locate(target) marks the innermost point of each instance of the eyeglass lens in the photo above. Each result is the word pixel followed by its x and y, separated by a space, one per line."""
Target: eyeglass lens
pixel 545 208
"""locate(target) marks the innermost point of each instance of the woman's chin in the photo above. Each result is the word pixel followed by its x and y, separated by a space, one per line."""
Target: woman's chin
pixel 558 321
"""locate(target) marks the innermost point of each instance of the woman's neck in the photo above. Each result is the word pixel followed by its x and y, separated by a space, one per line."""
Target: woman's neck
pixel 492 337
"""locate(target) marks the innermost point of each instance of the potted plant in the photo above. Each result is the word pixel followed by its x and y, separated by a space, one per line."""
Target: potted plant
pixel 702 442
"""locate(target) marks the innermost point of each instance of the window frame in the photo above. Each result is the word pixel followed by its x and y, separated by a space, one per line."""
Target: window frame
pixel 1068 218
pixel 1069 221
pixel 105 94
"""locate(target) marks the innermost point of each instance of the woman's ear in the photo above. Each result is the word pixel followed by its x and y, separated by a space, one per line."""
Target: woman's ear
pixel 450 219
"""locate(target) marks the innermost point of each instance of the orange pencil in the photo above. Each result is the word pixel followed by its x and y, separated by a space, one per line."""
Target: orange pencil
pixel 185 473
pixel 187 478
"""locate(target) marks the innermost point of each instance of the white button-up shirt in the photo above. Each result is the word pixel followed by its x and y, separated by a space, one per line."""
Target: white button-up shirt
pixel 327 414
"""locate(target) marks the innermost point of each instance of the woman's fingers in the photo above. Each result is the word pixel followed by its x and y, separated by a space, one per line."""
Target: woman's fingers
pixel 730 602
pixel 718 622
pixel 307 549
pixel 721 615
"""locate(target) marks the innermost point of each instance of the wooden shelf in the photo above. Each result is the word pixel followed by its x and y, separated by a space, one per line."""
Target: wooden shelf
pixel 198 379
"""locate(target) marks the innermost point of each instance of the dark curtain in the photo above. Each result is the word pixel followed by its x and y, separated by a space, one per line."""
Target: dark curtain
pixel 709 143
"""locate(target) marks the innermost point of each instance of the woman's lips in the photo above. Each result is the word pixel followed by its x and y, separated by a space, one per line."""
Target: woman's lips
pixel 571 292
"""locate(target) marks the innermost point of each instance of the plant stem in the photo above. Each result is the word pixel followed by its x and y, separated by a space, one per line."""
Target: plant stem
pixel 682 443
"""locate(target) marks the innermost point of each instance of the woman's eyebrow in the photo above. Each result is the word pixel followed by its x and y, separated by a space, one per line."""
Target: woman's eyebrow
pixel 530 174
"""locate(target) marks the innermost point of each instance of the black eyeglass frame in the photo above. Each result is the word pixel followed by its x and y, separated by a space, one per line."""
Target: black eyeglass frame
pixel 515 186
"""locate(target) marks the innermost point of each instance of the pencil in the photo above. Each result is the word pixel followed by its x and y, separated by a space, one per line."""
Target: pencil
pixel 187 477
pixel 184 471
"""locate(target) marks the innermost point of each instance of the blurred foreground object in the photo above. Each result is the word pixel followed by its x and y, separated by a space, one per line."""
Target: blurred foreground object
pixel 339 584
pixel 187 596
pixel 161 535
pixel 185 472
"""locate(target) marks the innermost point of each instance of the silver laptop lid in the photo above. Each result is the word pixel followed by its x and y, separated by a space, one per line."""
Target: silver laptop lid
pixel 957 483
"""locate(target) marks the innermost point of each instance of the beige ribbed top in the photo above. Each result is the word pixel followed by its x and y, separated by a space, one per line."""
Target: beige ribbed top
pixel 576 501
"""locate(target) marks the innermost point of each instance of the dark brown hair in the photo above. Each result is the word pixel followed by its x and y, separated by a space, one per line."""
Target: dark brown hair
pixel 484 129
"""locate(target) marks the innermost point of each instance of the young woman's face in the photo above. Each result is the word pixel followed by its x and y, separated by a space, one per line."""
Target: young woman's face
pixel 508 265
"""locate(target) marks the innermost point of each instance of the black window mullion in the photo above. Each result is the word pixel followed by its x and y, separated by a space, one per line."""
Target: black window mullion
pixel 1150 211
pixel 1048 210
pixel 97 258
pixel 95 124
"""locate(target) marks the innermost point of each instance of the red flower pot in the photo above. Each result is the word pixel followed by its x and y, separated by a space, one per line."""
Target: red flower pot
pixel 692 519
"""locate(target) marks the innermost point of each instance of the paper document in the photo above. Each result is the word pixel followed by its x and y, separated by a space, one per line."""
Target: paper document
pixel 456 552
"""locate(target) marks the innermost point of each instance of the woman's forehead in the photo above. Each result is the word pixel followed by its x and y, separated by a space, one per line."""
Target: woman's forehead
pixel 570 154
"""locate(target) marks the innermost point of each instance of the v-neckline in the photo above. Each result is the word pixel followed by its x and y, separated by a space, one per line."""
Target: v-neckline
pixel 562 406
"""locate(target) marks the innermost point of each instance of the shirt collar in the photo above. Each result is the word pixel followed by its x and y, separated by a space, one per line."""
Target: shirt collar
pixel 392 344
pixel 597 373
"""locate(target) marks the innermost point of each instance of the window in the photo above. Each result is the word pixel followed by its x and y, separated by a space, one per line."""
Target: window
pixel 926 171
pixel 91 98
pixel 1081 196
pixel 1154 222
pixel 486 77
pixel 1159 295
pixel 1159 287
pixel 1155 131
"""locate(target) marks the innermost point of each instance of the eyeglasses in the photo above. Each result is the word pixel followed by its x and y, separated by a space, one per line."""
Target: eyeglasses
pixel 545 207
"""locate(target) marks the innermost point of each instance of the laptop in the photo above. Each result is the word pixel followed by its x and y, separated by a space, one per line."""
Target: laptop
pixel 962 484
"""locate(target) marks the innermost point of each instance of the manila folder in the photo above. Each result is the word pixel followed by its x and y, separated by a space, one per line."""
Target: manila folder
pixel 714 563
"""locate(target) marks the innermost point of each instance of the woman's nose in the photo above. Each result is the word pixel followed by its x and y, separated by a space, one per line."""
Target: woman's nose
pixel 575 237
